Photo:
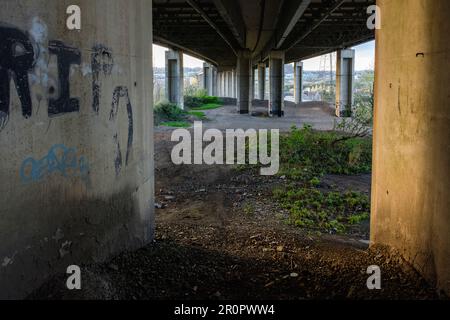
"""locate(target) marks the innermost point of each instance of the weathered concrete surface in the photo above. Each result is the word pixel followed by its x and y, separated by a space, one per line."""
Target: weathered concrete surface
pixel 411 185
pixel 76 136
pixel 175 77
pixel 345 79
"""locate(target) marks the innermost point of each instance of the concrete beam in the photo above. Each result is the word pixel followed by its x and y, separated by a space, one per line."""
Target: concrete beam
pixel 333 7
pixel 411 185
pixel 175 77
pixel 213 25
pixel 345 79
pixel 293 11
pixel 230 12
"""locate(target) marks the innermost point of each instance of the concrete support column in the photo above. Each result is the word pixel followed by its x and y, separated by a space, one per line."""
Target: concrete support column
pixel 215 87
pixel 222 84
pixel 76 169
pixel 230 84
pixel 298 82
pixel 175 77
pixel 208 78
pixel 227 88
pixel 345 75
pixel 276 83
pixel 234 74
pixel 411 164
pixel 243 81
pixel 261 80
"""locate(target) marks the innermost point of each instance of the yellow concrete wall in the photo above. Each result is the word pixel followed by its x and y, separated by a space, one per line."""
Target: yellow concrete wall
pixel 411 185
pixel 76 179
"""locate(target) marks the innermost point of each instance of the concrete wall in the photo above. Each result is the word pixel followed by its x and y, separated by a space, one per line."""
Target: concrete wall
pixel 75 136
pixel 411 185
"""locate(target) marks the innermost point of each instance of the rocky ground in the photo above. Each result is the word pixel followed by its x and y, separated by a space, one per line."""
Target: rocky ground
pixel 221 236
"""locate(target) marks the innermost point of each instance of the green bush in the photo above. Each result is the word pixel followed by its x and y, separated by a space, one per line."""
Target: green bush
pixel 306 154
pixel 166 111
pixel 199 100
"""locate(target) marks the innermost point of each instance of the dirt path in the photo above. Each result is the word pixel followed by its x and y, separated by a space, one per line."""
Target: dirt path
pixel 220 236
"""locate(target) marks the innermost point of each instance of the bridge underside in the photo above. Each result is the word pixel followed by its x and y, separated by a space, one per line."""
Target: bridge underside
pixel 215 30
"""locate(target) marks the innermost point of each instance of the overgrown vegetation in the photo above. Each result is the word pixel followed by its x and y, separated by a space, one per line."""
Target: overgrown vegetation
pixel 170 115
pixel 166 111
pixel 198 99
pixel 305 157
pixel 331 212
pixel 305 153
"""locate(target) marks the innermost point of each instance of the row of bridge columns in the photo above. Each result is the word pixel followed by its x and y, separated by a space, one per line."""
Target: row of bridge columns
pixel 239 82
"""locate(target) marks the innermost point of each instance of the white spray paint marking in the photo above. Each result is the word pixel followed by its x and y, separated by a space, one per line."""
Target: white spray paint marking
pixel 39 33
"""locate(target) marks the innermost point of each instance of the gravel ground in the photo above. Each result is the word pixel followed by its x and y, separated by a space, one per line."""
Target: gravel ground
pixel 207 246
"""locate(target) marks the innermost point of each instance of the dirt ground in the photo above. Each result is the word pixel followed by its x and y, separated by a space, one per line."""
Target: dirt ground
pixel 208 245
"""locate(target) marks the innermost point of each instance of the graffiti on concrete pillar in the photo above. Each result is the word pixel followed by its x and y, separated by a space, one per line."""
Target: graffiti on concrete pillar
pixel 122 92
pixel 101 63
pixel 18 57
pixel 16 60
pixel 59 159
pixel 66 56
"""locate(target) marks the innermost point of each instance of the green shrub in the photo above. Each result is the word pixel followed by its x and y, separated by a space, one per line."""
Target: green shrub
pixel 305 154
pixel 166 111
pixel 200 100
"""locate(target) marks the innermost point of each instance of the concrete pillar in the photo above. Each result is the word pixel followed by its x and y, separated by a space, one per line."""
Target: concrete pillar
pixel 234 80
pixel 345 75
pixel 243 81
pixel 222 84
pixel 215 88
pixel 298 82
pixel 208 78
pixel 214 72
pixel 227 88
pixel 76 147
pixel 230 84
pixel 276 86
pixel 175 77
pixel 261 80
pixel 411 165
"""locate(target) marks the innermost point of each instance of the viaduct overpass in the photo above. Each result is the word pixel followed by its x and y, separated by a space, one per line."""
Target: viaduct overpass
pixel 238 37
pixel 76 117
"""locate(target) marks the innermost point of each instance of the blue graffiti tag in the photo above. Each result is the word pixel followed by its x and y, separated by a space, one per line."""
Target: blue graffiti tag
pixel 59 159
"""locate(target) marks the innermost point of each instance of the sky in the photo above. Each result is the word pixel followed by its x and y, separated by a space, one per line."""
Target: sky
pixel 365 54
